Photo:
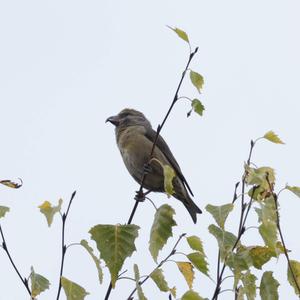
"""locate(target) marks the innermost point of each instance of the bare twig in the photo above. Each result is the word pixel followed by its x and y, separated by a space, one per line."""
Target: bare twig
pixel 5 248
pixel 140 195
pixel 63 245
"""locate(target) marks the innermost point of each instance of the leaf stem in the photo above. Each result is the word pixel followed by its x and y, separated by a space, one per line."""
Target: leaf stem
pixel 63 245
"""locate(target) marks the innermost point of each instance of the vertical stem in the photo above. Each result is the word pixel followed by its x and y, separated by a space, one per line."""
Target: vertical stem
pixel 242 222
pixel 63 245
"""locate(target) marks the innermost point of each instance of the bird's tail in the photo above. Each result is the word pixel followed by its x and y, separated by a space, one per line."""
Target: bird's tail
pixel 192 208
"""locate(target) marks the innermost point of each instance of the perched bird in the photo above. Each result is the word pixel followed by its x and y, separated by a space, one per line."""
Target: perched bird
pixel 135 138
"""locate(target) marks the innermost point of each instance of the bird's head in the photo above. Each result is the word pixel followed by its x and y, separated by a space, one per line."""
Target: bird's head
pixel 128 117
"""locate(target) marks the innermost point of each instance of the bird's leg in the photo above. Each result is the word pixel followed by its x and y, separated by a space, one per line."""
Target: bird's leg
pixel 147 168
pixel 141 196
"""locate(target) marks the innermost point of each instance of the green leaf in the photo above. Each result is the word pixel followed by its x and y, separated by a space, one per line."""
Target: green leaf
pixel 180 33
pixel 161 229
pixel 239 260
pixel 226 240
pixel 198 107
pixel 296 270
pixel 197 80
pixel 38 283
pixel 191 295
pixel 237 274
pixel 268 231
pixel 158 277
pixel 187 270
pixel 140 292
pixel 115 243
pixel 49 211
pixel 169 175
pixel 248 280
pixel 294 189
pixel 3 211
pixel 195 243
pixel 11 184
pixel 273 137
pixel 199 262
pixel 260 255
pixel 268 287
pixel 258 176
pixel 220 213
pixel 258 193
pixel 267 211
pixel 96 260
pixel 72 290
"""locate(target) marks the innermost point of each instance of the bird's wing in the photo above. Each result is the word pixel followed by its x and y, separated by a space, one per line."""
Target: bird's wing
pixel 164 148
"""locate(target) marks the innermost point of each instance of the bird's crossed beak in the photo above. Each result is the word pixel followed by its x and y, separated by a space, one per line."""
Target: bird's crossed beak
pixel 113 120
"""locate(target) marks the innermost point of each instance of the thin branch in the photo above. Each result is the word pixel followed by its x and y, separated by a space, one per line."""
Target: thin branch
pixel 5 248
pixel 63 245
pixel 159 128
pixel 242 222
pixel 218 265
pixel 173 251
pixel 252 144
pixel 281 234
pixel 140 195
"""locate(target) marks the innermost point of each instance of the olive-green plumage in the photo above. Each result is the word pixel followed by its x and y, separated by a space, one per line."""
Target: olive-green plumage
pixel 135 138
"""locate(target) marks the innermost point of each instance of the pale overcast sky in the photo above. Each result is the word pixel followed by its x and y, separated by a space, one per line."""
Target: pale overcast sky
pixel 65 66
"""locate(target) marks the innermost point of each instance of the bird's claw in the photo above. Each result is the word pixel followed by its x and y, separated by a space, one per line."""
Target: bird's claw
pixel 139 196
pixel 147 168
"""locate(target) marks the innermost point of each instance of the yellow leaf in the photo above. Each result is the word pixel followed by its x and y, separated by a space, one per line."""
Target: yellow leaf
pixel 49 211
pixel 45 205
pixel 181 34
pixel 169 174
pixel 173 291
pixel 273 137
pixel 187 270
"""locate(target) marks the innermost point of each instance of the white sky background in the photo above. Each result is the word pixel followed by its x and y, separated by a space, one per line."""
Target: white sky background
pixel 65 66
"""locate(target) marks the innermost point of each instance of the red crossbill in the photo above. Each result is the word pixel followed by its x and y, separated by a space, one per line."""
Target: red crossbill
pixel 135 137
